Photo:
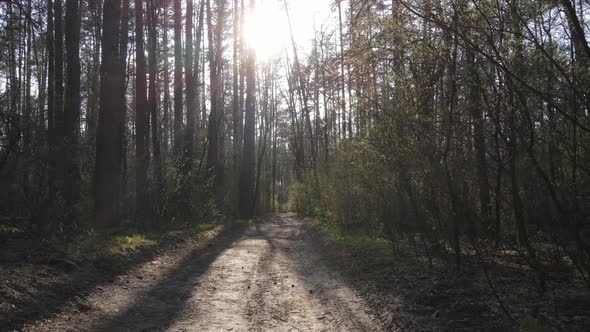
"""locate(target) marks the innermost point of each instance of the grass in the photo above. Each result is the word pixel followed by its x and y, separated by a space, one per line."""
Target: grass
pixel 379 246
pixel 95 247
pixel 200 231
pixel 7 232
pixel 125 244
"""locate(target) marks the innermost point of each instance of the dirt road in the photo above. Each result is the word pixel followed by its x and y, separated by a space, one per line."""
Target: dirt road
pixel 272 276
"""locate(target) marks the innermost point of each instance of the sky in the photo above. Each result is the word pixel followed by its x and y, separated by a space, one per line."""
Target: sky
pixel 269 29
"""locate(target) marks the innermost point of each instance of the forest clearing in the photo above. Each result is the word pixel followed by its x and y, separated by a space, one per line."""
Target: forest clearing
pixel 317 165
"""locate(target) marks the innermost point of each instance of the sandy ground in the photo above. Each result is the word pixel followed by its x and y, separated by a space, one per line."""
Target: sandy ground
pixel 270 277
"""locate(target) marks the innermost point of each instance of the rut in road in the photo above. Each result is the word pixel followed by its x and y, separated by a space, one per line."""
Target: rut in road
pixel 270 277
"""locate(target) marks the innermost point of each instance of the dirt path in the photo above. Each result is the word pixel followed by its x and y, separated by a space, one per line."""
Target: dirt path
pixel 271 277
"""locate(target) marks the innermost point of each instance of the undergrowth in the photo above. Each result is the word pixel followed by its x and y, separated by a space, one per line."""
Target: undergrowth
pixel 94 247
pixel 378 246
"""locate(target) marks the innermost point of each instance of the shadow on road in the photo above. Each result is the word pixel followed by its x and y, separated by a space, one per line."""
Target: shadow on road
pixel 55 297
pixel 161 305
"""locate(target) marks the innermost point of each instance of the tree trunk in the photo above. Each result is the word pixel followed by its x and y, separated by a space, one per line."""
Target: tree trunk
pixel 122 90
pixel 153 107
pixel 166 116
pixel 109 138
pixel 479 139
pixel 50 85
pixel 141 122
pixel 238 127
pixel 342 77
pixel 214 164
pixel 191 107
pixel 178 87
pixel 247 180
pixel 58 111
pixel 72 111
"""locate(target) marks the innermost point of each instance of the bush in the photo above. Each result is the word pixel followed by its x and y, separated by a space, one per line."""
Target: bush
pixel 351 189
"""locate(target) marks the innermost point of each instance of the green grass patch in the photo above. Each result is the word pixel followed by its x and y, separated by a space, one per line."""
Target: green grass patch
pixel 9 230
pixel 100 247
pixel 200 231
pixel 376 245
pixel 128 244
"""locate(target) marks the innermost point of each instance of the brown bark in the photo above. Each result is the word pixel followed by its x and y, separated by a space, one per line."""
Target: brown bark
pixel 141 121
pixel 247 181
pixel 72 111
pixel 178 86
pixel 109 138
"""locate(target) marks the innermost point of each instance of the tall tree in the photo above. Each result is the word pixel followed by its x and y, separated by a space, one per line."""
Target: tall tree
pixel 302 91
pixel 238 126
pixel 152 99
pixel 166 101
pixel 72 109
pixel 122 91
pixel 247 180
pixel 191 107
pixel 214 36
pixel 342 74
pixel 50 84
pixel 59 78
pixel 141 121
pixel 178 86
pixel 109 137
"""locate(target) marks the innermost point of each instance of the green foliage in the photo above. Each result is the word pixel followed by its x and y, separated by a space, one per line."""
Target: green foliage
pixel 350 188
pixel 378 246
pixel 186 197
pixel 301 198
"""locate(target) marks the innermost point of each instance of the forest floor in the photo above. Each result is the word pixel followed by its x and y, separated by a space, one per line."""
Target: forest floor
pixel 277 273
pixel 267 275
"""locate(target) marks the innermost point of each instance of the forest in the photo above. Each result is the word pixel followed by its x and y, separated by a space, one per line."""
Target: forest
pixel 424 164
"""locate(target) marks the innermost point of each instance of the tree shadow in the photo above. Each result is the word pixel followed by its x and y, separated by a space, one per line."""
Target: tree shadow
pixel 58 296
pixel 163 303
pixel 414 297
pixel 325 284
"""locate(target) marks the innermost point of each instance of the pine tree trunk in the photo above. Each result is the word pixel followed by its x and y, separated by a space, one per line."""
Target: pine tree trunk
pixel 214 162
pixel 178 86
pixel 141 122
pixel 72 110
pixel 58 111
pixel 191 107
pixel 248 155
pixel 122 90
pixel 153 107
pixel 166 116
pixel 236 109
pixel 109 138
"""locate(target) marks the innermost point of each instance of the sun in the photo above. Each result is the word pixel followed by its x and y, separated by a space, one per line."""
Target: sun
pixel 266 30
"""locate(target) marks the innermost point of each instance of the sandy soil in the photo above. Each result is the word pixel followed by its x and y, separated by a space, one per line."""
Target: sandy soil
pixel 270 277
